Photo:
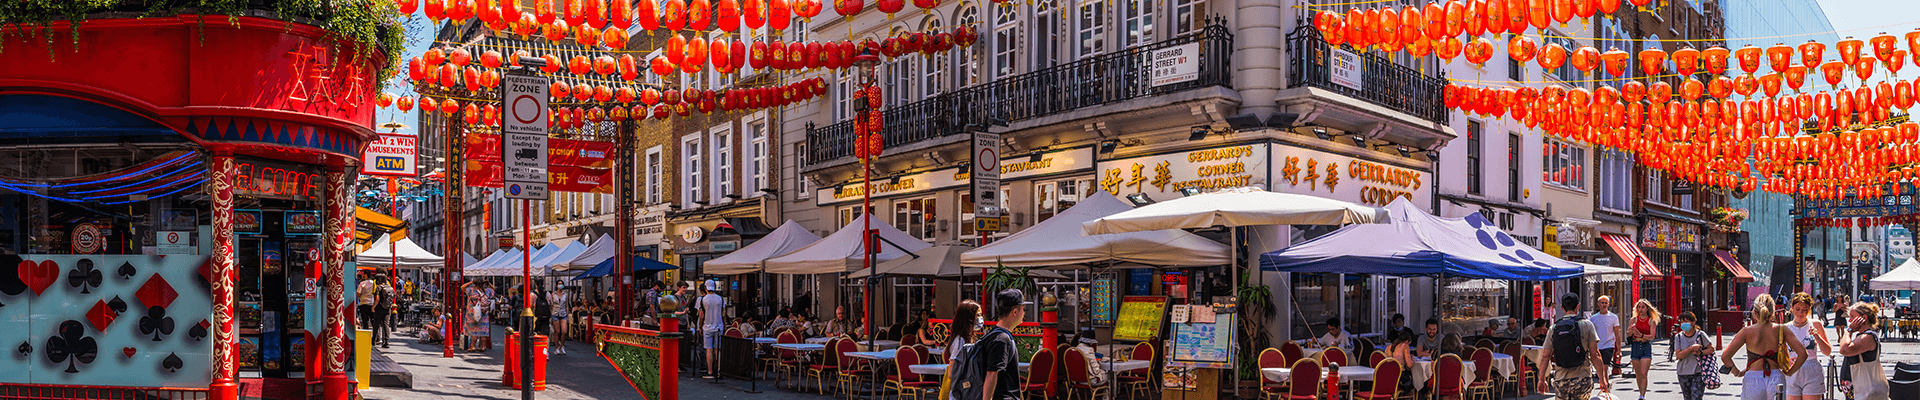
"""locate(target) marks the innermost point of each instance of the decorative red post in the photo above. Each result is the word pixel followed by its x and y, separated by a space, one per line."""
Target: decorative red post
pixel 223 387
pixel 455 136
pixel 1049 320
pixel 669 348
pixel 340 221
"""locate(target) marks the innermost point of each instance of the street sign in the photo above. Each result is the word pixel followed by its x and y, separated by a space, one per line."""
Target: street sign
pixel 392 155
pixel 986 175
pixel 986 224
pixel 524 137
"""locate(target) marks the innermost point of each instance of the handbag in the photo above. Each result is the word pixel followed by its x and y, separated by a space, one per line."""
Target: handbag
pixel 1709 370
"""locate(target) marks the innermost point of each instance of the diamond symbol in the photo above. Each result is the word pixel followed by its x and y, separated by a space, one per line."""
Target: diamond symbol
pixel 206 271
pixel 101 315
pixel 156 292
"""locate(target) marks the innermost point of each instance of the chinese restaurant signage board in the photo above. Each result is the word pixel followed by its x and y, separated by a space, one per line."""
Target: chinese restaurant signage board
pixel 1022 166
pixel 1346 178
pixel 1162 176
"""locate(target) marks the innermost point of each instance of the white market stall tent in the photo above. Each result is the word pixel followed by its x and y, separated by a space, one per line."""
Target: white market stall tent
pixel 1904 277
pixel 842 251
pixel 1059 242
pixel 789 237
pixel 491 266
pixel 602 249
pixel 565 254
pixel 942 261
pixel 411 256
pixel 467 259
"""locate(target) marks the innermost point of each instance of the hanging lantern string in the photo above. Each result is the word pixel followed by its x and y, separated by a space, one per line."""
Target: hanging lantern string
pixel 1727 39
pixel 1497 83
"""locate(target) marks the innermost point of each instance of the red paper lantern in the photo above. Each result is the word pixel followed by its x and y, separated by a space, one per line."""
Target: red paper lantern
pixel 645 12
pixel 753 13
pixel 1812 53
pixel 596 16
pixel 699 15
pixel 620 13
pixel 405 103
pixel 1716 58
pixel 1653 61
pixel 726 15
pixel 696 56
pixel 806 9
pixel 662 66
pixel 673 15
pixel 779 16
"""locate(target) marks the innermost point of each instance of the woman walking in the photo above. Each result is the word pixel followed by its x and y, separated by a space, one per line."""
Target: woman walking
pixel 1862 349
pixel 561 311
pixel 964 318
pixel 1766 344
pixel 1640 342
pixel 1691 346
pixel 1811 382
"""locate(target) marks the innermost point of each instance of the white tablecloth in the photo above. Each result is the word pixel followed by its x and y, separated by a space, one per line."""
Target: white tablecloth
pixel 1347 374
pixel 819 340
pixel 1531 353
pixel 941 369
pixel 800 346
pixel 765 340
pixel 1423 369
pixel 1124 366
pixel 872 355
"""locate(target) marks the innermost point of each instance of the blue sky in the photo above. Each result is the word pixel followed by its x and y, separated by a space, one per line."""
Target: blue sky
pixel 419 37
pixel 1858 18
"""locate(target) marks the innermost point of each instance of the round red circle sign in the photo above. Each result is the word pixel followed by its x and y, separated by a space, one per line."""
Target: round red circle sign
pixel 86 239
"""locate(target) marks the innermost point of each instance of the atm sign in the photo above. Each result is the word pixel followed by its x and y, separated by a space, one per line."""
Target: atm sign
pixel 392 155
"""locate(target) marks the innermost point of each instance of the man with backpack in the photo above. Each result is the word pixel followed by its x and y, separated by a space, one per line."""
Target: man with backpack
pixel 990 368
pixel 1572 348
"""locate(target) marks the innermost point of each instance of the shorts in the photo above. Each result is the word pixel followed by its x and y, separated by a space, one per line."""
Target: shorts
pixel 1576 388
pixel 1640 350
pixel 710 340
pixel 1610 356
pixel 1758 385
pixel 1810 380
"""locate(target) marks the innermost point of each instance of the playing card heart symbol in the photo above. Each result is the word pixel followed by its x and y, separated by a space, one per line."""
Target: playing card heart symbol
pixel 39 276
pixel 128 351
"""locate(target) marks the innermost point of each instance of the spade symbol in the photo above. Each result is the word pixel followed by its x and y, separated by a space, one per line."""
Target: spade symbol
pixel 156 323
pixel 172 363
pixel 10 283
pixel 25 348
pixel 72 346
pixel 126 271
pixel 83 276
pixel 118 305
pixel 198 331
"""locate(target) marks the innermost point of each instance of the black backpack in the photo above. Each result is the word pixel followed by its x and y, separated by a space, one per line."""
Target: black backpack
pixel 968 383
pixel 1569 343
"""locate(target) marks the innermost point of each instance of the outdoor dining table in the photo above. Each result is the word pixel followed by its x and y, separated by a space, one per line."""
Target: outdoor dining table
pixel 1531 353
pixel 765 340
pixel 872 355
pixel 1423 369
pixel 941 369
pixel 1347 374
pixel 800 346
pixel 1124 366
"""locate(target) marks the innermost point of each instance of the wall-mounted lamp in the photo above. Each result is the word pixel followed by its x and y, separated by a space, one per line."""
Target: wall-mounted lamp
pixel 1107 146
pixel 1198 132
pixel 1321 132
pixel 1035 157
pixel 1357 139
pixel 1140 199
pixel 1189 191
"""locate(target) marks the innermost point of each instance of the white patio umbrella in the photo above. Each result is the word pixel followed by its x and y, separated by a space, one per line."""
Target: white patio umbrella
pixel 1233 208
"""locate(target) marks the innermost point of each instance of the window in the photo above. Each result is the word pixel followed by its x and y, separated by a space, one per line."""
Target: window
pixel 1566 164
pixel 969 63
pixel 1516 70
pixel 916 217
pixel 694 161
pixel 757 133
pixel 797 32
pixel 933 80
pixel 1006 38
pixel 1660 190
pixel 1189 16
pixel 1513 166
pixel 1047 22
pixel 1566 72
pixel 848 213
pixel 967 233
pixel 843 107
pixel 1616 181
pixel 903 72
pixel 1136 22
pixel 1052 198
pixel 1473 157
pixel 800 182
pixel 723 160
pixel 653 175
pixel 1092 27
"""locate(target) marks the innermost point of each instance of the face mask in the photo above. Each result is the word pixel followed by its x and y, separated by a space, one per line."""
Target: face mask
pixel 1686 326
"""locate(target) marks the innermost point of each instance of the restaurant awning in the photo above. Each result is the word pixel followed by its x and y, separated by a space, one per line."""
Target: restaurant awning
pixel 1058 242
pixel 1415 243
pixel 789 237
pixel 1625 247
pixel 843 250
pixel 1733 266
pixel 639 264
pixel 602 249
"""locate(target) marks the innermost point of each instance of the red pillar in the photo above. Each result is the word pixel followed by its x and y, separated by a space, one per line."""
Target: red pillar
pixel 455 135
pixel 669 356
pixel 340 222
pixel 1049 327
pixel 223 387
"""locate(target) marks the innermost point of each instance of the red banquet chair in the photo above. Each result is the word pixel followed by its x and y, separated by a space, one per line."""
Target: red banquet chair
pixel 1078 380
pixel 1446 377
pixel 1272 358
pixel 828 366
pixel 1040 377
pixel 1386 382
pixel 1292 351
pixel 1483 380
pixel 851 375
pixel 1302 378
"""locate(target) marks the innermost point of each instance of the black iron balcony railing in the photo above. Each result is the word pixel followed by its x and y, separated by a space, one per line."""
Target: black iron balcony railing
pixel 1384 83
pixel 1100 80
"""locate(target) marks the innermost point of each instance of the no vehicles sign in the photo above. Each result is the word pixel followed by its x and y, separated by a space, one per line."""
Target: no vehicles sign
pixel 524 136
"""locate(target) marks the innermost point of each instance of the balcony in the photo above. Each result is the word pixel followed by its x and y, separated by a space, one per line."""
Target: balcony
pixel 1385 83
pixel 1106 79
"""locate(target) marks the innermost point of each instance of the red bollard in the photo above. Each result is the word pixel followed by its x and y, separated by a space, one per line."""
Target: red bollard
pixel 1333 380
pixel 510 375
pixel 669 357
pixel 539 363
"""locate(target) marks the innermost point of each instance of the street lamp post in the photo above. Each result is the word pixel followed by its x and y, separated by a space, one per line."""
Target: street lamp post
pixel 866 62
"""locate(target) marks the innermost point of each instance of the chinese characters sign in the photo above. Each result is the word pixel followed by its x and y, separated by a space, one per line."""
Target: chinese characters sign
pixel 1341 177
pixel 1206 169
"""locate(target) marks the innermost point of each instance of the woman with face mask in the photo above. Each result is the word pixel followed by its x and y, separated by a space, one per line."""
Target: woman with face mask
pixel 1862 349
pixel 1811 382
pixel 1688 347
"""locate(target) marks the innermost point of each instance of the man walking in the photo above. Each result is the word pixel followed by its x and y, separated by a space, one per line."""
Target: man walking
pixel 1573 352
pixel 994 366
pixel 363 294
pixel 382 306
pixel 1606 326
pixel 713 319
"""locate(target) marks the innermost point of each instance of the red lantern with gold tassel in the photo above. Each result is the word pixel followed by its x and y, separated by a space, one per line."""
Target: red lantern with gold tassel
pixel 889 6
pixel 779 15
pixel 1653 61
pixel 806 9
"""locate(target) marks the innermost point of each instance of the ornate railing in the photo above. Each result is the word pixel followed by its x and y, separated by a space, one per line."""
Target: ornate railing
pixel 1382 82
pixel 636 353
pixel 1105 79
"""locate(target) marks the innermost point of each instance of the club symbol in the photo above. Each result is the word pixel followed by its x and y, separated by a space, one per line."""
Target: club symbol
pixel 126 271
pixel 72 346
pixel 84 276
pixel 172 363
pixel 156 323
pixel 198 331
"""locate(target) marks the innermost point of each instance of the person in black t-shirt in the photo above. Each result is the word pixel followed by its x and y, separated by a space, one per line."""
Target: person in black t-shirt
pixel 998 360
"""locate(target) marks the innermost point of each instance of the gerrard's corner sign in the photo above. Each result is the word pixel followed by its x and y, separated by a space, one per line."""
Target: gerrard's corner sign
pixel 393 155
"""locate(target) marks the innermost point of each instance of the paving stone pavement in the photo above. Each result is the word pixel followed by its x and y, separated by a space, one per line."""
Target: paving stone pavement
pixel 584 375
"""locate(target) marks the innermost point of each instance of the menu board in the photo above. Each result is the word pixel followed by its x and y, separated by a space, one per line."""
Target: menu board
pixel 1200 345
pixel 1140 317
pixel 1104 284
